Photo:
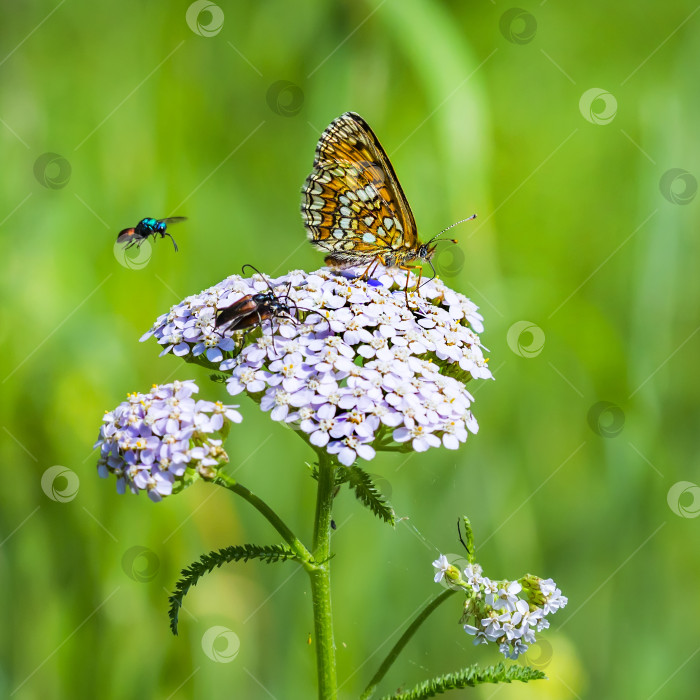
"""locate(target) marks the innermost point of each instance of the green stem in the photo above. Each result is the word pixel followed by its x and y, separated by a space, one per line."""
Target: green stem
pixel 305 557
pixel 398 647
pixel 321 581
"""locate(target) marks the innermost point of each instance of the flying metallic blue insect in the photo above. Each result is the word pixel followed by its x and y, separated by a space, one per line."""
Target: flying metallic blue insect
pixel 148 227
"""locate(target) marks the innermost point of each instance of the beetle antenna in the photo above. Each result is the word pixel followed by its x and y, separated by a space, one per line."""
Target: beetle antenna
pixel 261 275
pixel 311 311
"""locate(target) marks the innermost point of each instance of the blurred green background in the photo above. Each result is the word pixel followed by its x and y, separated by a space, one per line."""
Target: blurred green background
pixel 583 261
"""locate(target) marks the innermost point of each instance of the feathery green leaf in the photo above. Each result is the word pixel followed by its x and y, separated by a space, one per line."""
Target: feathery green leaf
pixel 368 494
pixel 207 562
pixel 469 678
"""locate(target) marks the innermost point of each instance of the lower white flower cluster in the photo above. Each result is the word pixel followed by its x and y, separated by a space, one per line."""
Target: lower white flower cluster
pixel 505 612
pixel 163 440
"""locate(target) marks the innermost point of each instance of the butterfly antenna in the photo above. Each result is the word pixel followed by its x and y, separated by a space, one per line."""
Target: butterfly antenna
pixel 456 223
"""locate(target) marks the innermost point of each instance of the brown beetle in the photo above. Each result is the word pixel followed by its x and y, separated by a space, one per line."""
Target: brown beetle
pixel 254 309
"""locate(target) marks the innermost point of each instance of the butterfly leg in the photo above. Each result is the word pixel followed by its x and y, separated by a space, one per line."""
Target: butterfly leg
pixel 408 277
pixel 366 273
pixel 420 277
pixel 407 269
pixel 379 259
pixel 372 267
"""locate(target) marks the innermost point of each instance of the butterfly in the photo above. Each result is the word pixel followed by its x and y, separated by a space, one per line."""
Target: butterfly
pixel 353 206
pixel 148 227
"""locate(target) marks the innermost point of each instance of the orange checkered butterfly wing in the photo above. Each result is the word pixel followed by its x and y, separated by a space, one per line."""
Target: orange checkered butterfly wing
pixel 352 205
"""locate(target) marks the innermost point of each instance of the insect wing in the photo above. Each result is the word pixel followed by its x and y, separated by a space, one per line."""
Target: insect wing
pixel 353 206
pixel 254 318
pixel 127 235
pixel 172 220
pixel 238 310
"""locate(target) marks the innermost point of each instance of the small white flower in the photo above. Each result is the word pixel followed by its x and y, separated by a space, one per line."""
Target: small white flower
pixel 472 575
pixel 506 597
pixel 421 440
pixel 349 449
pixel 547 586
pixel 492 628
pixel 554 602
pixel 441 565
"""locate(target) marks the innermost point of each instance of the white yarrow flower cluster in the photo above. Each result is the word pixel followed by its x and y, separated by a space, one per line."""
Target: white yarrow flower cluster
pixel 508 613
pixel 164 439
pixel 353 368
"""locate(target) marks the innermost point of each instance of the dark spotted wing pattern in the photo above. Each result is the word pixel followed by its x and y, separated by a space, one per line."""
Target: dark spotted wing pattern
pixel 352 205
